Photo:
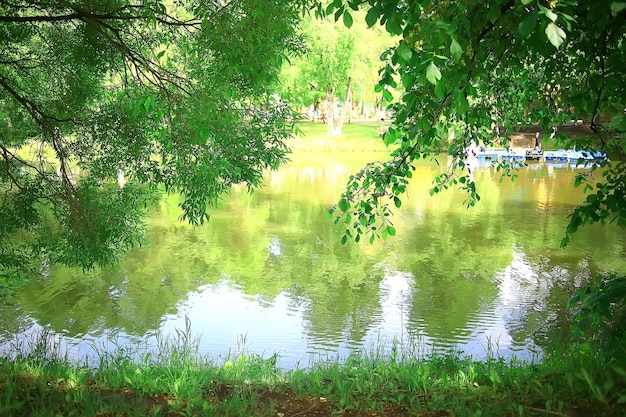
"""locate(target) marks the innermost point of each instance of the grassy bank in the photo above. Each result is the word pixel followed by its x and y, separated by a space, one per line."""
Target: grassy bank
pixel 355 137
pixel 174 381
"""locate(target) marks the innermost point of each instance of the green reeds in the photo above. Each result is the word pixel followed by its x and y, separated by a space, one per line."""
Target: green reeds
pixel 172 379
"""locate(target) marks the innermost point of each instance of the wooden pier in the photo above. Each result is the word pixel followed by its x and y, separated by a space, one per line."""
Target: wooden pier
pixel 521 155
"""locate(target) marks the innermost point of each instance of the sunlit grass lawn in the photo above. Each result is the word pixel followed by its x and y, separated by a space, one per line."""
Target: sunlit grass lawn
pixel 356 136
pixel 174 381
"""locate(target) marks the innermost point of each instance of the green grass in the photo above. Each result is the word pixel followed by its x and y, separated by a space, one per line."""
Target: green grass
pixel 356 137
pixel 37 380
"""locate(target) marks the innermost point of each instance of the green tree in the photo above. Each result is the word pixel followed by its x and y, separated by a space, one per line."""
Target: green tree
pixel 328 64
pixel 338 61
pixel 156 94
pixel 483 67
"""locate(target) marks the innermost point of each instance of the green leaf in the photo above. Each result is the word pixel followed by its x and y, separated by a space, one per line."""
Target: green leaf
pixel 404 52
pixel 338 13
pixel 617 6
pixel 343 205
pixel 332 6
pixel 397 202
pixel 408 80
pixel 549 13
pixel 433 74
pixel 493 13
pixel 460 102
pixel 390 136
pixel 456 50
pixel 440 89
pixel 148 104
pixel 387 95
pixel 527 26
pixel 556 35
pixel 394 25
pixel 391 230
pixel 347 19
pixel 372 16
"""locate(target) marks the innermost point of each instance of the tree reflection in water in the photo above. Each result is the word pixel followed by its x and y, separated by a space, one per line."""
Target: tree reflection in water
pixel 270 266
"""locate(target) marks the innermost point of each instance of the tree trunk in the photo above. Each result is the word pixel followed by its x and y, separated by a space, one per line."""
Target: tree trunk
pixel 346 102
pixel 330 111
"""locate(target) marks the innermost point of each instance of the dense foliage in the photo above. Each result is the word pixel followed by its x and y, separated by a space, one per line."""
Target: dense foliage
pixel 105 103
pixel 469 67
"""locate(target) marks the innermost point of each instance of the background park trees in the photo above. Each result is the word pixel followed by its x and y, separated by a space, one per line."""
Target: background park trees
pixel 341 65
pixel 102 104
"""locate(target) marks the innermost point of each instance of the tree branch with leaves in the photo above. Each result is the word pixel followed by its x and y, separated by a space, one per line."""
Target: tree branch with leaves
pixel 475 68
pixel 172 97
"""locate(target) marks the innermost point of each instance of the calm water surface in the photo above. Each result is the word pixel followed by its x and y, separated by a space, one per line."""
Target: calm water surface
pixel 268 272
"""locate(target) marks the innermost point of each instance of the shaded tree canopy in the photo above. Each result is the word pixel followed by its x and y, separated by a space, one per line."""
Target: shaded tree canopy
pixel 103 104
pixel 478 68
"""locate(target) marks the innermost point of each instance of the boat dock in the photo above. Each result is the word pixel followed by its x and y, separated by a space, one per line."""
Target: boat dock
pixel 520 155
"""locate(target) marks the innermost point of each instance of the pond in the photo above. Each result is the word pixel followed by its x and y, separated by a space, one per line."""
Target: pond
pixel 268 272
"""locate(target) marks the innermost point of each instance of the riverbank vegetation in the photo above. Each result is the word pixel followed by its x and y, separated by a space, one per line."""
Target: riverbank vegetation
pixel 174 380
